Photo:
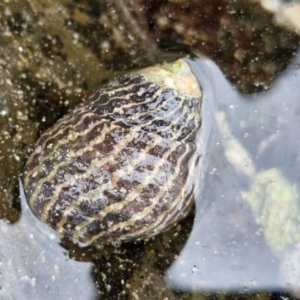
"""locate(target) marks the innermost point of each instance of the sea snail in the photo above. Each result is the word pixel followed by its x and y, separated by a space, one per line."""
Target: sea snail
pixel 120 166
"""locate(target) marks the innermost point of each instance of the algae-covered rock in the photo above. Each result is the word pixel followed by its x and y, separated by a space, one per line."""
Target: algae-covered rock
pixel 273 200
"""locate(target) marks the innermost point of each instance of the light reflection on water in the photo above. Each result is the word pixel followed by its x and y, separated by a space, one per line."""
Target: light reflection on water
pixel 247 208
pixel 34 266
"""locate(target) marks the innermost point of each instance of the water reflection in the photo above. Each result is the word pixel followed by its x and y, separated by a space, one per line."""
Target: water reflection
pixel 247 220
pixel 34 266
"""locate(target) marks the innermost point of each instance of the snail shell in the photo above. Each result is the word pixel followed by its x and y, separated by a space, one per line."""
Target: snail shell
pixel 119 167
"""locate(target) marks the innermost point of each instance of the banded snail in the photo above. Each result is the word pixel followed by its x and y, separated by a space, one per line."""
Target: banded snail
pixel 120 166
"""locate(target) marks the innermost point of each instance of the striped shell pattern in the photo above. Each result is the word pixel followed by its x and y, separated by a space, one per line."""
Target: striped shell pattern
pixel 119 167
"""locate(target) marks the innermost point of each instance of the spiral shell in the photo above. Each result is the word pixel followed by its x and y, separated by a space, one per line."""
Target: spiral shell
pixel 120 165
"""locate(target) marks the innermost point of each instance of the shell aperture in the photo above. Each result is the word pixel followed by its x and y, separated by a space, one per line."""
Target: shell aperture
pixel 120 166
